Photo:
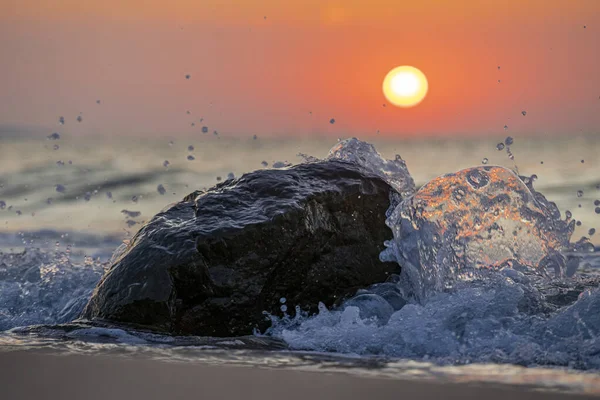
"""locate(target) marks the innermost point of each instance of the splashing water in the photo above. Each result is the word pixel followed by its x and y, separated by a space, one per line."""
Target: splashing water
pixel 484 261
pixel 394 172
pixel 478 218
pixel 38 287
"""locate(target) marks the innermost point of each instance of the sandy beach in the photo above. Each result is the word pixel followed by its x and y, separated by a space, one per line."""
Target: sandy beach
pixel 31 375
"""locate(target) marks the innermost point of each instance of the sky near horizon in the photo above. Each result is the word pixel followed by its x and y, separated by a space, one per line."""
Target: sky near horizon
pixel 272 67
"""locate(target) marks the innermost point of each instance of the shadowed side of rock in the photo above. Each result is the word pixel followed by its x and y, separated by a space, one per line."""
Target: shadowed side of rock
pixel 210 265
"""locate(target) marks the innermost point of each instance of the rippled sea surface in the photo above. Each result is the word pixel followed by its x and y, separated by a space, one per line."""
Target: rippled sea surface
pixel 66 204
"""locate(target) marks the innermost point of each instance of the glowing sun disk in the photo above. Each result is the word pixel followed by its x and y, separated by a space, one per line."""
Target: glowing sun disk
pixel 405 86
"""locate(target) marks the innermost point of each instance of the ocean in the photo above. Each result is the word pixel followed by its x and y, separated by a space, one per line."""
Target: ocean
pixel 67 203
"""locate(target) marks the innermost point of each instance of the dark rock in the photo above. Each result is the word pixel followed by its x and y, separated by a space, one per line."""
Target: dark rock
pixel 211 264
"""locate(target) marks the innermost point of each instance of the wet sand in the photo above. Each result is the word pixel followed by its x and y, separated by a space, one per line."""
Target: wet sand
pixel 32 375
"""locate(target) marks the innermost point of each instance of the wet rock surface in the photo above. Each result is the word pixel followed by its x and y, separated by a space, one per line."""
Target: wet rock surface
pixel 211 264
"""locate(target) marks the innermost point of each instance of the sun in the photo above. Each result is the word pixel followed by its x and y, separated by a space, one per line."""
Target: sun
pixel 405 86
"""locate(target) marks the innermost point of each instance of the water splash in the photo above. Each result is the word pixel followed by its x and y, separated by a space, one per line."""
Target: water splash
pixel 478 218
pixel 38 287
pixel 485 260
pixel 394 172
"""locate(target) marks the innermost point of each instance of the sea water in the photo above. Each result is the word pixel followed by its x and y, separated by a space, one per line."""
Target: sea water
pixel 76 205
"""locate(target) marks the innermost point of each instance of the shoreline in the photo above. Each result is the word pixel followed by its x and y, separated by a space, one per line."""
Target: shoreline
pixel 34 374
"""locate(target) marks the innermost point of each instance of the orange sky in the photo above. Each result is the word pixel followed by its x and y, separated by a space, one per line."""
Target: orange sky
pixel 255 75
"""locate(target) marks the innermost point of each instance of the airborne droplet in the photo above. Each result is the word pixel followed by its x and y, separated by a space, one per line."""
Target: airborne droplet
pixel 509 141
pixel 161 189
pixel 500 146
pixel 484 161
pixel 332 121
pixel 580 193
pixel 524 112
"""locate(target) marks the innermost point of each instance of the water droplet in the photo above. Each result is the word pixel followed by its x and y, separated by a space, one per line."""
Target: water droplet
pixel 109 195
pixel 568 214
pixel 505 127
pixel 230 175
pixel 597 202
pixel 97 101
pixel 509 141
pixel 49 200
pixel 161 189
pixel 60 163
pixel 524 112
pixel 190 148
pixel 591 232
pixel 188 112
pixel 205 129
pixel 193 124
pixel 500 146
pixel 54 136
pixel 485 160
pixel 87 196
pixel 188 76
pixel 582 161
pixel 498 67
pixel 283 308
pixel 282 300
pixel 79 118
pixel 2 204
pixel 332 121
pixel 171 143
pixel 578 223
pixel 134 199
pixel 215 133
pixel 541 162
pixel 191 157
pixel 219 178
pixel 264 163
pixel 597 210
pixel 56 147
pixel 580 193
pixel 61 188
pixel 166 163
pixel 254 137
pixel 61 120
